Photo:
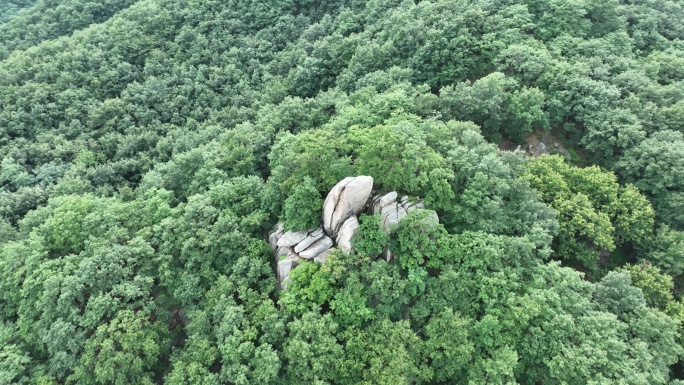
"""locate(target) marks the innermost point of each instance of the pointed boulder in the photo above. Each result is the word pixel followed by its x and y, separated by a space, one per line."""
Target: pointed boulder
pixel 347 231
pixel 347 198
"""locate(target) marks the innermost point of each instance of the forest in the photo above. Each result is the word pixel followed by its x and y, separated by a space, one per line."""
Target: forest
pixel 148 148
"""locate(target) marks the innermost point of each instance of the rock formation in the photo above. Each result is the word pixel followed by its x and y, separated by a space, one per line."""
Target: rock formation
pixel 392 211
pixel 341 209
pixel 347 198
pixel 347 231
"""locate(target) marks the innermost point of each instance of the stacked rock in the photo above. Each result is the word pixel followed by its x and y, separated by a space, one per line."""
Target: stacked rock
pixel 392 212
pixel 344 203
pixel 290 246
pixel 342 206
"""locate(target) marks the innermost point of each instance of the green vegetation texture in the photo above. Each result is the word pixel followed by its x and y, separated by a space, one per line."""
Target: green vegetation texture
pixel 148 146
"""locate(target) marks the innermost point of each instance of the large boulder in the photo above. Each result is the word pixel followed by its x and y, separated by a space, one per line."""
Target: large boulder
pixel 285 266
pixel 316 248
pixel 347 231
pixel 292 238
pixel 278 231
pixel 391 215
pixel 310 239
pixel 347 198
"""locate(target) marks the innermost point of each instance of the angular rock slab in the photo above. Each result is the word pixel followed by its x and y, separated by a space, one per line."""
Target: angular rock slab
pixel 278 231
pixel 282 250
pixel 316 248
pixel 347 231
pixel 347 198
pixel 391 216
pixel 284 268
pixel 311 238
pixel 387 199
pixel 322 257
pixel 292 238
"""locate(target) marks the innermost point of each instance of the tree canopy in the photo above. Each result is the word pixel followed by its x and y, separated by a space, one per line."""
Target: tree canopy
pixel 147 148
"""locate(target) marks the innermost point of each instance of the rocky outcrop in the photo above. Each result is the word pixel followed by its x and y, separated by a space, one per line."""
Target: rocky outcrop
pixel 347 198
pixel 347 231
pixel 285 266
pixel 317 248
pixel 537 149
pixel 291 247
pixel 344 203
pixel 312 237
pixel 392 211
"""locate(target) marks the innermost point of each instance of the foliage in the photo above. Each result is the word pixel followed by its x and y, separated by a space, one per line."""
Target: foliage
pixel 148 146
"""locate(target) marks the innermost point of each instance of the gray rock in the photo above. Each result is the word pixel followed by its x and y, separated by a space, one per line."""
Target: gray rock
pixel 316 248
pixel 347 231
pixel 283 250
pixel 387 199
pixel 273 241
pixel 387 254
pixel 275 235
pixel 392 215
pixel 311 238
pixel 541 148
pixel 322 257
pixel 347 198
pixel 284 268
pixel 413 206
pixel 565 153
pixel 292 238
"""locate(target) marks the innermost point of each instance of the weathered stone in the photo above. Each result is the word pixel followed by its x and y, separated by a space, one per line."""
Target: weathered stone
pixel 273 241
pixel 347 231
pixel 541 148
pixel 322 257
pixel 413 206
pixel 284 268
pixel 387 254
pixel 391 216
pixel 292 238
pixel 387 199
pixel 565 153
pixel 311 238
pixel 347 198
pixel 538 149
pixel 283 250
pixel 316 248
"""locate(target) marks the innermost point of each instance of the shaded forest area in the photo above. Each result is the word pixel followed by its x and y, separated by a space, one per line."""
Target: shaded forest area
pixel 148 147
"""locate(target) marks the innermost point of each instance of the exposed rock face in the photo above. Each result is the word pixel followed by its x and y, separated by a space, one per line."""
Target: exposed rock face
pixel 284 268
pixel 323 256
pixel 292 246
pixel 310 239
pixel 291 238
pixel 283 250
pixel 347 198
pixel 538 149
pixel 347 231
pixel 317 248
pixel 391 211
pixel 342 206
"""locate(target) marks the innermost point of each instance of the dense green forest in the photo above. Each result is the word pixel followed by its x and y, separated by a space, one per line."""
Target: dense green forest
pixel 148 147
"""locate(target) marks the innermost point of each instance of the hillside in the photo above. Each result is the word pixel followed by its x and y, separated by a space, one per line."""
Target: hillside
pixel 151 149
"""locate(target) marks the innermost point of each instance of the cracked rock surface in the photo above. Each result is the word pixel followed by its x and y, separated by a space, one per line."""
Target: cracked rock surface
pixel 344 203
pixel 347 198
